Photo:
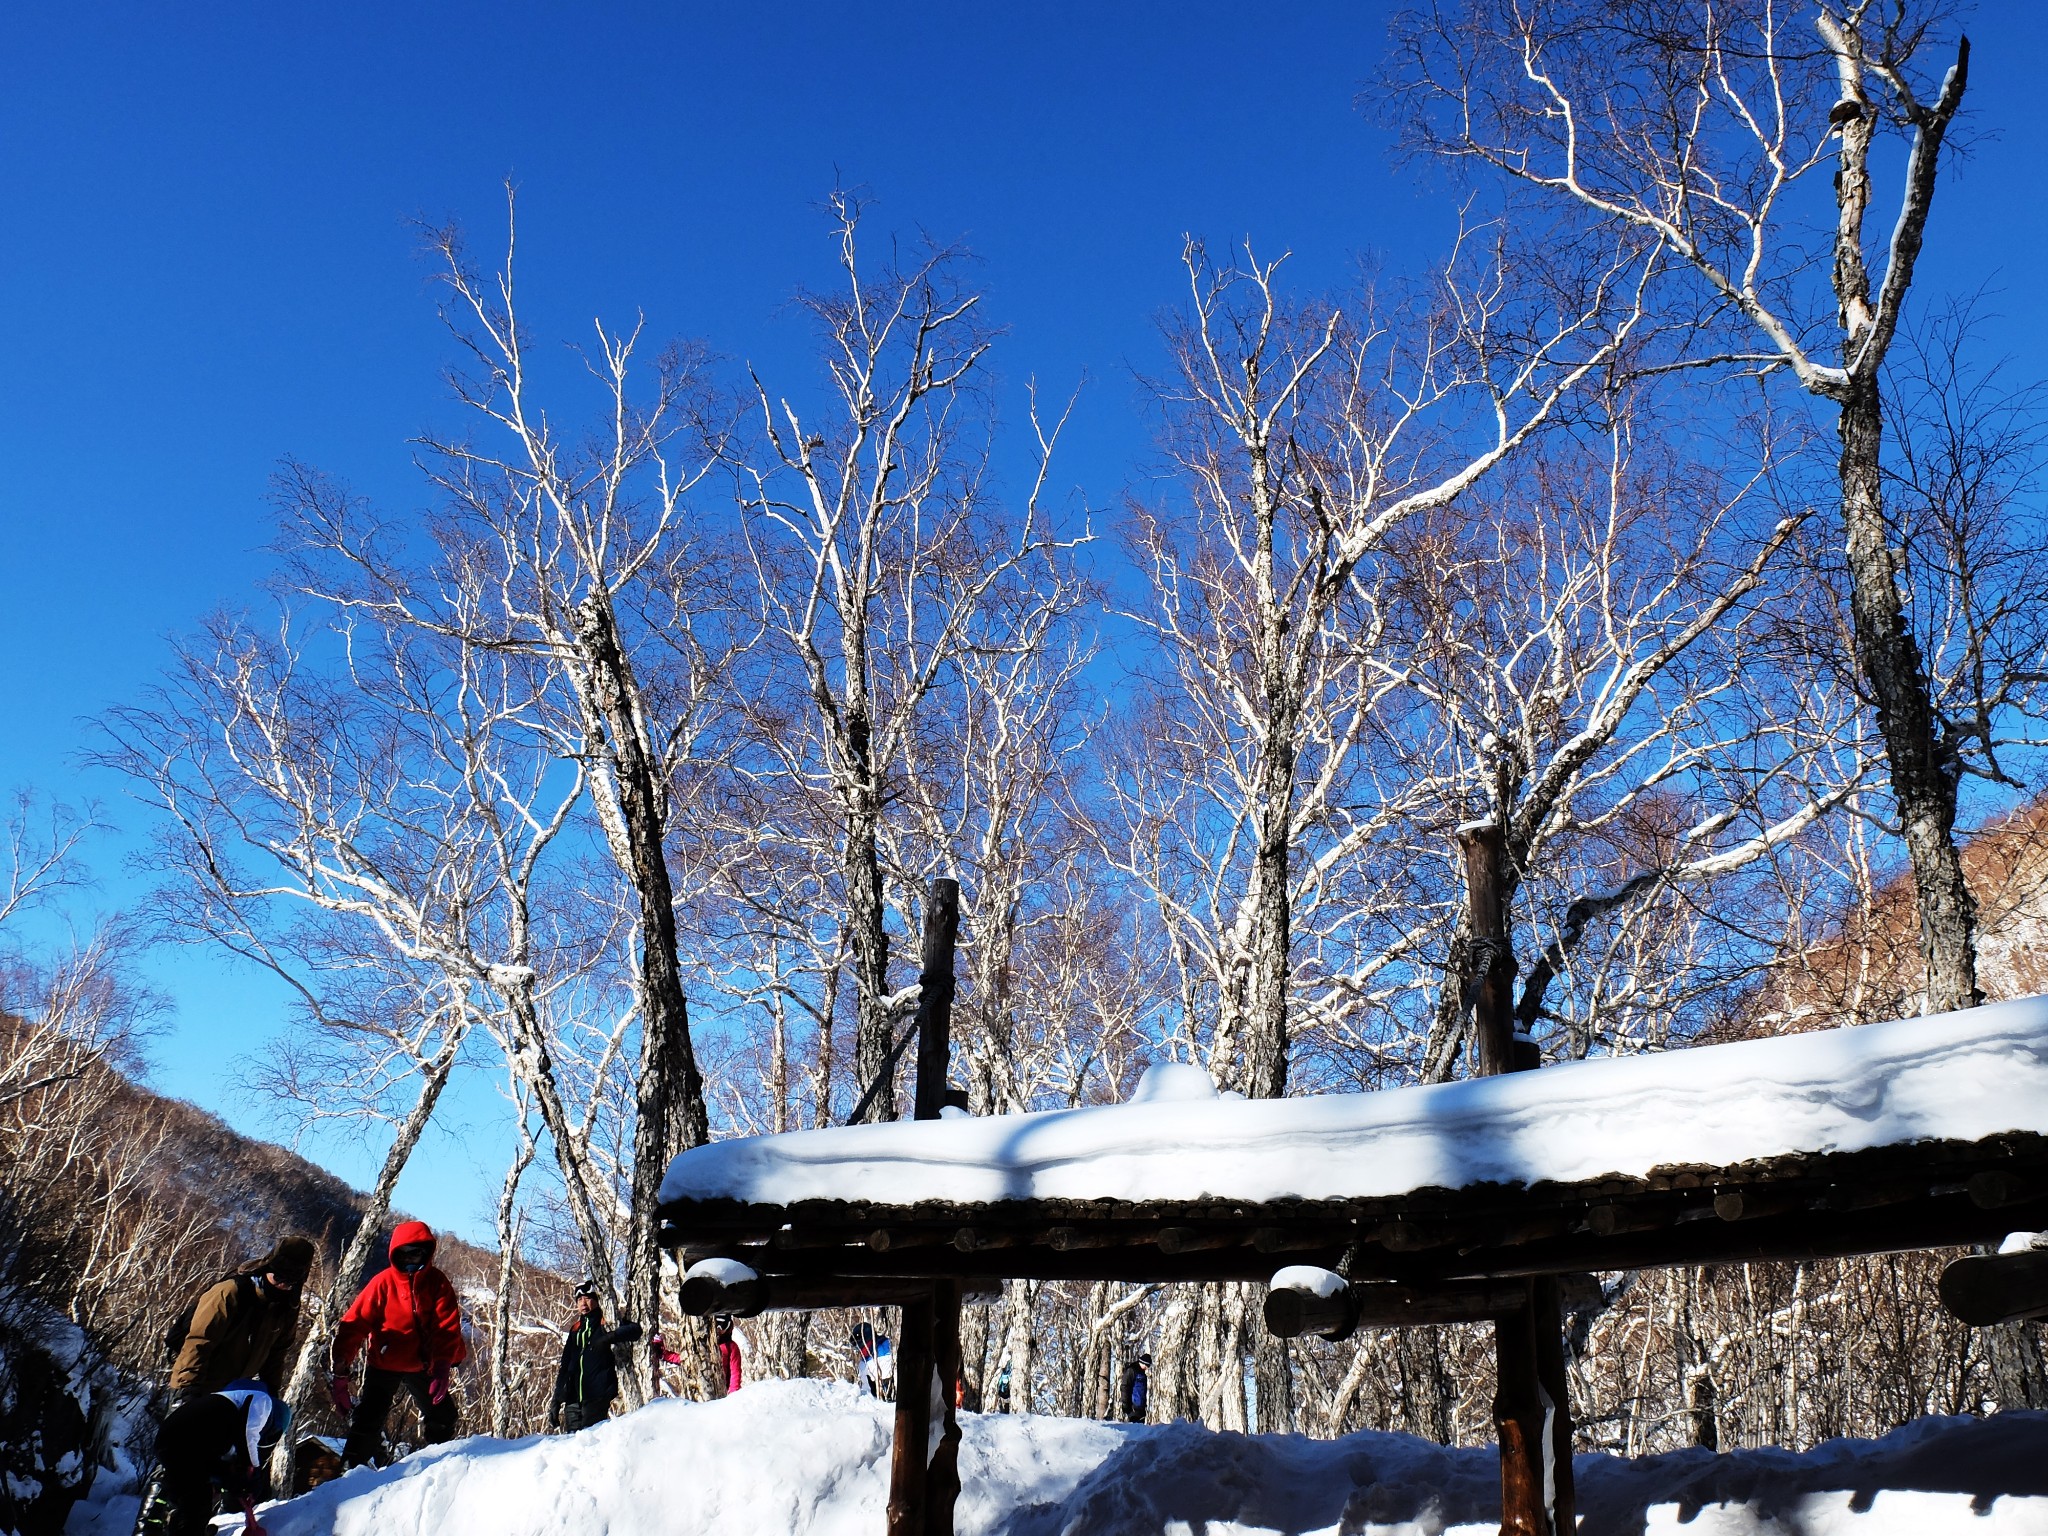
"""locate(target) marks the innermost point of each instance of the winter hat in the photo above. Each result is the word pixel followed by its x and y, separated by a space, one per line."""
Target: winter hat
pixel 291 1260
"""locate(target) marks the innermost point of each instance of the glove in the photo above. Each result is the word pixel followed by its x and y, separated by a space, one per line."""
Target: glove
pixel 437 1385
pixel 554 1417
pixel 252 1526
pixel 339 1394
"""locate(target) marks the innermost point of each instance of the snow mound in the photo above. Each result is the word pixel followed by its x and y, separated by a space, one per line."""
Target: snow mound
pixel 1959 1077
pixel 1172 1082
pixel 808 1458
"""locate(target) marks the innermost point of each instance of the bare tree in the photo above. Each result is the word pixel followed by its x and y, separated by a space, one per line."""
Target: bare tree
pixel 587 554
pixel 364 811
pixel 1693 128
pixel 1584 658
pixel 876 540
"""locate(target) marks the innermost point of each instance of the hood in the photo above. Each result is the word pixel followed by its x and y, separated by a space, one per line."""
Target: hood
pixel 410 1232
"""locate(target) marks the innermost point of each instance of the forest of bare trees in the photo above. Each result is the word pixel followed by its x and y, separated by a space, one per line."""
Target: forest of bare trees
pixel 1666 527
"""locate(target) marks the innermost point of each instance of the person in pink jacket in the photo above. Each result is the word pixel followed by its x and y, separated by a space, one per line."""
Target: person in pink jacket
pixel 727 1354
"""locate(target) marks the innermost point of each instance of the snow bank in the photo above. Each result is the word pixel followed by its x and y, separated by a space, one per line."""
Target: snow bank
pixel 1959 1076
pixel 810 1459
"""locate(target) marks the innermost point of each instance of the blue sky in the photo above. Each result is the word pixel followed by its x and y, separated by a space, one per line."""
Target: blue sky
pixel 206 265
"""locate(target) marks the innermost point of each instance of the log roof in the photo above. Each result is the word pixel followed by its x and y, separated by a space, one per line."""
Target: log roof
pixel 1922 1133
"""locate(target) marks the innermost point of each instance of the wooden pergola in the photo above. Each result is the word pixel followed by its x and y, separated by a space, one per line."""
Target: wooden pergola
pixel 1503 1253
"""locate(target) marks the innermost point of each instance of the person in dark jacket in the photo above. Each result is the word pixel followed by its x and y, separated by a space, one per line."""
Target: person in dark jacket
pixel 243 1326
pixel 588 1378
pixel 409 1318
pixel 1135 1388
pixel 213 1441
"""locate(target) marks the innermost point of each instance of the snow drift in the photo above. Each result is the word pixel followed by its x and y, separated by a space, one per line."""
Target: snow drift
pixel 1958 1077
pixel 808 1458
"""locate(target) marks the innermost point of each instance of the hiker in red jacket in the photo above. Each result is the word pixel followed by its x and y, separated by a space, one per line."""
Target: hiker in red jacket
pixel 409 1317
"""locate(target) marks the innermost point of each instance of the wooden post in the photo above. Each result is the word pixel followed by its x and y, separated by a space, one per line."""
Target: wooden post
pixel 1490 984
pixel 942 1476
pixel 910 1456
pixel 924 1467
pixel 1532 1406
pixel 935 997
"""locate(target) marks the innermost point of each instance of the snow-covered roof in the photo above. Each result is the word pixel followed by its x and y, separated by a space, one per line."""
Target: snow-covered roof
pixel 1959 1077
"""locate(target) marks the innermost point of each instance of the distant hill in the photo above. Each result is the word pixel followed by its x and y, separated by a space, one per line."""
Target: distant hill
pixel 250 1192
pixel 135 1199
pixel 1870 968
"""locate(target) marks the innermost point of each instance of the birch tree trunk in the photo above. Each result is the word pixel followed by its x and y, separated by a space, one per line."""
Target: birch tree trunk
pixel 868 942
pixel 310 1369
pixel 508 1228
pixel 1923 768
pixel 1739 110
pixel 1021 1343
pixel 670 1116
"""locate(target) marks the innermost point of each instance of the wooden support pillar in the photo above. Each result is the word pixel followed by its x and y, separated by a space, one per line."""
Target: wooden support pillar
pixel 942 1477
pixel 935 997
pixel 924 1468
pixel 1490 980
pixel 1532 1406
pixel 909 1461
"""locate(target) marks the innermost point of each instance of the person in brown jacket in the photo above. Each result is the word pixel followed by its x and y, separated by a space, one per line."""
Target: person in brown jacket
pixel 243 1326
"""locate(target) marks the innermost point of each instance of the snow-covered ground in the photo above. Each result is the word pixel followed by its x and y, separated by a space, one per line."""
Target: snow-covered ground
pixel 1960 1077
pixel 808 1458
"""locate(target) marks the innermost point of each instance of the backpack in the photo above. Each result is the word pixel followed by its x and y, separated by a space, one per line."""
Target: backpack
pixel 1138 1391
pixel 181 1325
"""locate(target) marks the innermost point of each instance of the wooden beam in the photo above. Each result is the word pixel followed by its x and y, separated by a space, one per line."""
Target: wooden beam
pixel 1489 982
pixel 1068 1239
pixel 1750 1204
pixel 701 1296
pixel 1988 1289
pixel 1124 1251
pixel 1291 1313
pixel 1996 1188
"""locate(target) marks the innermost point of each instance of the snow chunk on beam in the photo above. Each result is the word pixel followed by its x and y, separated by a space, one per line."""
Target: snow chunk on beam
pixel 1324 1284
pixel 1957 1077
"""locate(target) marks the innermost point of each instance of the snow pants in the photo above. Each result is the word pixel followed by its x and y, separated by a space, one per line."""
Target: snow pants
pixel 199 1440
pixel 380 1388
pixel 577 1416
